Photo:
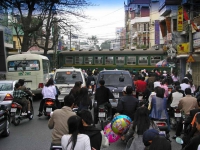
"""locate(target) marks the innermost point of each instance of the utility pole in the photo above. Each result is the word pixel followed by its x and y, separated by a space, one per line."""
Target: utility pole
pixel 70 37
pixel 190 31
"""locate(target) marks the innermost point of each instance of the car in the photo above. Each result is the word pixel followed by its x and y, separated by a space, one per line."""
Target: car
pixel 6 92
pixel 116 80
pixel 65 79
pixel 4 121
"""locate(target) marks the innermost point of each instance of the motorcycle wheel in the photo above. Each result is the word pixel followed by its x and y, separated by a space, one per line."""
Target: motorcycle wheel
pixel 16 120
pixel 102 126
pixel 6 131
pixel 32 113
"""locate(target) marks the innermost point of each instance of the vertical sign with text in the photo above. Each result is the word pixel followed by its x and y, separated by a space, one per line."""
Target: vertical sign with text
pixel 180 19
pixel 157 32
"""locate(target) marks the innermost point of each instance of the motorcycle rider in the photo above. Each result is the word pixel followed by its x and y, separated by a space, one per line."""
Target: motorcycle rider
pixel 23 88
pixel 59 118
pixel 20 97
pixel 186 104
pixel 48 91
pixel 102 97
pixel 90 80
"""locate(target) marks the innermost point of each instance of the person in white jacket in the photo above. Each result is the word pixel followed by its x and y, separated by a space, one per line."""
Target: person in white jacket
pixel 75 140
pixel 48 91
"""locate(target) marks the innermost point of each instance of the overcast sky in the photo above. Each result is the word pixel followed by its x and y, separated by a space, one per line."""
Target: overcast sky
pixel 106 16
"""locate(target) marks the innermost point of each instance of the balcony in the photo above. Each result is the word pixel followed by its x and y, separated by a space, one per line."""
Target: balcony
pixel 164 3
pixel 140 20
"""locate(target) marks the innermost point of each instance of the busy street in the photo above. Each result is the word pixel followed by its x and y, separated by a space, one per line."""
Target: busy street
pixel 35 134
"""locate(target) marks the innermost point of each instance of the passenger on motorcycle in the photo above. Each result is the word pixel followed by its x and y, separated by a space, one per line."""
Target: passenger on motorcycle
pixel 83 101
pixel 90 81
pixel 102 96
pixel 48 91
pixel 23 88
pixel 127 105
pixel 141 86
pixel 20 97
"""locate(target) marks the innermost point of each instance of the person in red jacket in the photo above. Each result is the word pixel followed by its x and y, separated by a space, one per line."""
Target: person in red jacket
pixel 141 86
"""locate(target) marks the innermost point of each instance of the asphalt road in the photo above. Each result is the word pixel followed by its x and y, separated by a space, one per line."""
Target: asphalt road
pixel 35 135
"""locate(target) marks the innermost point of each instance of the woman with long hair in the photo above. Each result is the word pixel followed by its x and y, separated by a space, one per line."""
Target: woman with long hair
pixel 75 140
pixel 76 89
pixel 141 123
pixel 48 91
pixel 84 101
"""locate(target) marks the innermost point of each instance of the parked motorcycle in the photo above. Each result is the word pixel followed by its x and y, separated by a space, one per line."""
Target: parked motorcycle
pixel 4 121
pixel 49 106
pixel 16 112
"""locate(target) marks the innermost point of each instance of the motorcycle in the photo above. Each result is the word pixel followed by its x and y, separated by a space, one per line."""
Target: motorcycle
pixel 163 127
pixel 102 114
pixel 91 88
pixel 49 106
pixel 176 118
pixel 4 121
pixel 17 114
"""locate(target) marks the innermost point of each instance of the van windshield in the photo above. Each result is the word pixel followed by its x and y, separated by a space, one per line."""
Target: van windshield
pixel 67 77
pixel 113 80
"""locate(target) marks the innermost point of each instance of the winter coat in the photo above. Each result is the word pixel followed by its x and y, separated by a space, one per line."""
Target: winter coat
pixel 94 135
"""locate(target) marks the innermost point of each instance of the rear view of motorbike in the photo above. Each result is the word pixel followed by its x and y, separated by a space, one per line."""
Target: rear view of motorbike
pixel 49 106
pixel 163 127
pixel 17 113
pixel 102 115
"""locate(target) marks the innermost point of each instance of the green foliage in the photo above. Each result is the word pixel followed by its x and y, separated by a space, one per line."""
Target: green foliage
pixel 105 45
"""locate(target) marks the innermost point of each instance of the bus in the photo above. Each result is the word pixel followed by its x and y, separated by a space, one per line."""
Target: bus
pixel 33 68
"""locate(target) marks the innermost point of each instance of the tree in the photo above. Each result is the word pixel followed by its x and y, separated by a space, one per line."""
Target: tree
pixel 93 40
pixel 33 14
pixel 105 44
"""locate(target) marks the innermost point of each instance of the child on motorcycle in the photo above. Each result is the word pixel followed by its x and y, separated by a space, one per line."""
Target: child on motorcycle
pixel 20 97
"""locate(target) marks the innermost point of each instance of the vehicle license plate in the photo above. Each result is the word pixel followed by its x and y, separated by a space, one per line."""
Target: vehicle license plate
pixel 13 110
pixel 116 95
pixel 140 98
pixel 162 133
pixel 24 114
pixel 102 114
pixel 48 109
pixel 177 114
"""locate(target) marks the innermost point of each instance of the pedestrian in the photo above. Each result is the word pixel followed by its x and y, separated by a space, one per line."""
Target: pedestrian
pixel 75 140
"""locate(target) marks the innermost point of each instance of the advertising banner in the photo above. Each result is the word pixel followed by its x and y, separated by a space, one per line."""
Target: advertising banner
pixel 180 19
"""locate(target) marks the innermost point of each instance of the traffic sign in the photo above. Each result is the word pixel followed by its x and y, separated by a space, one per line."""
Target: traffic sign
pixel 171 65
pixel 190 59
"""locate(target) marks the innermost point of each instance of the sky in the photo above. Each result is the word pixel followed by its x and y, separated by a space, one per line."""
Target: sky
pixel 105 16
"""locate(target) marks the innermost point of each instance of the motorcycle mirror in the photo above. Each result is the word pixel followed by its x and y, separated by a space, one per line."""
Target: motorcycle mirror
pixel 179 140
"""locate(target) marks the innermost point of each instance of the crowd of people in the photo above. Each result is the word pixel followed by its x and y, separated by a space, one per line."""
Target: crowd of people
pixel 162 93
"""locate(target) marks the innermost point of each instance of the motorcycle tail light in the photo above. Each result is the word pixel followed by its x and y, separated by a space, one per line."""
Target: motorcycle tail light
pixel 161 124
pixel 101 110
pixel 49 102
pixel 177 111
pixel 90 87
pixel 8 97
pixel 16 106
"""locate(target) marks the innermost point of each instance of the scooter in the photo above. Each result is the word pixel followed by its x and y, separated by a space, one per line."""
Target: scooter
pixel 49 106
pixel 16 112
pixel 176 118
pixel 163 127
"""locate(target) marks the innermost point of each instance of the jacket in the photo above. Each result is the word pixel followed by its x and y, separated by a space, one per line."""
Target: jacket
pixel 193 144
pixel 102 95
pixel 127 105
pixel 188 103
pixel 158 108
pixel 58 122
pixel 94 135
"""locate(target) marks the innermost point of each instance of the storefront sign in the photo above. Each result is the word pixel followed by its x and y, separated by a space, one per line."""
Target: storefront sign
pixel 157 32
pixel 180 19
pixel 183 48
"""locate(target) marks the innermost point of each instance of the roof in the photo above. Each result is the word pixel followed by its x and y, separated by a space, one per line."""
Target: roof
pixel 106 51
pixel 26 55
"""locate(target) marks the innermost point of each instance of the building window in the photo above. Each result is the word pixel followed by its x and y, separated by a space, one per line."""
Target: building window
pixel 109 60
pixel 155 59
pixel 98 60
pixel 119 60
pixel 88 59
pixel 174 24
pixel 79 60
pixel 131 60
pixel 69 60
pixel 143 60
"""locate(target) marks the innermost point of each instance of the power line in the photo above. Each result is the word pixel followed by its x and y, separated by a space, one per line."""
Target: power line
pixel 110 13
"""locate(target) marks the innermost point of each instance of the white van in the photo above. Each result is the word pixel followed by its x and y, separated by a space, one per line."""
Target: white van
pixel 65 79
